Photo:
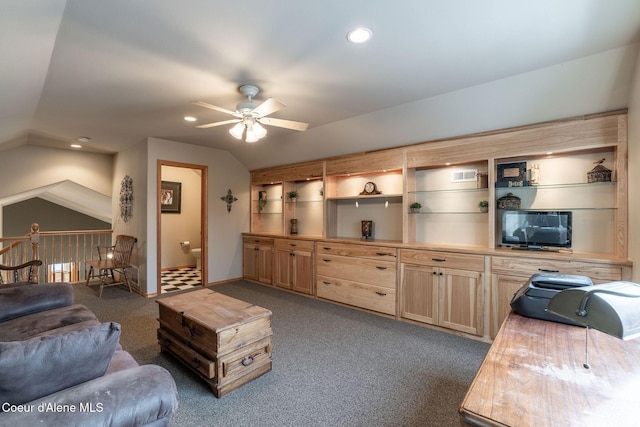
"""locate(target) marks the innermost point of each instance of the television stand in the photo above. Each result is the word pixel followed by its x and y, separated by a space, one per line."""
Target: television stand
pixel 535 248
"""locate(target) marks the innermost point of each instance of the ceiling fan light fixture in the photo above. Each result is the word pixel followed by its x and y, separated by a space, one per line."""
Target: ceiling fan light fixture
pixel 251 136
pixel 237 130
pixel 259 130
pixel 359 35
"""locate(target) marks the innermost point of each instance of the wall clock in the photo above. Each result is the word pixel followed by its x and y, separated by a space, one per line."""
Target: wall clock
pixel 370 188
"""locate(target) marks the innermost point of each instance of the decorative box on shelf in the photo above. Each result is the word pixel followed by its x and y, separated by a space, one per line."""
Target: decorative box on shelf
pixel 509 202
pixel 599 173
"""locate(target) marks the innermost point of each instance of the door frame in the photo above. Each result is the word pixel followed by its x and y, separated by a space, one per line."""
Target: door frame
pixel 204 219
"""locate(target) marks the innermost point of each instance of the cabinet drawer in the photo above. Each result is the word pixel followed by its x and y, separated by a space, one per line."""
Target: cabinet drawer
pixel 200 363
pixel 296 245
pixel 357 294
pixel 257 240
pixel 442 259
pixel 530 266
pixel 244 360
pixel 361 251
pixel 374 272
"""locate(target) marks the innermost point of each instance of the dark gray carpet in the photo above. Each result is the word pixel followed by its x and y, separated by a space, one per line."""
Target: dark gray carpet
pixel 332 366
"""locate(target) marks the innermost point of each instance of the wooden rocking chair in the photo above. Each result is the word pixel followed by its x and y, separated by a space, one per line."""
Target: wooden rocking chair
pixel 16 270
pixel 111 259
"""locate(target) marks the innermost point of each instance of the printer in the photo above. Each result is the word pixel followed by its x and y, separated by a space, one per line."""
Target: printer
pixel 532 299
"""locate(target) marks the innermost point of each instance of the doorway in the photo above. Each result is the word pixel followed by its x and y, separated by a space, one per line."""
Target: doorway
pixel 182 223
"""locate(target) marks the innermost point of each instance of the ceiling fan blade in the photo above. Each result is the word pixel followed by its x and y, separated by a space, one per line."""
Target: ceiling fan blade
pixel 288 124
pixel 214 107
pixel 224 122
pixel 269 106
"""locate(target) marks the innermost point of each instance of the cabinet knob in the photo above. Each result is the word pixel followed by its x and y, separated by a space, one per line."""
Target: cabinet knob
pixel 247 361
pixel 435 273
pixel 441 273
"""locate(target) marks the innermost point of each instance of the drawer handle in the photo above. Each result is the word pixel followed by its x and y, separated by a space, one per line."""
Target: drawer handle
pixel 292 254
pixel 326 248
pixel 546 270
pixel 381 253
pixel 382 294
pixel 247 361
pixel 326 283
pixel 293 244
pixel 438 259
pixel 381 268
pixel 326 260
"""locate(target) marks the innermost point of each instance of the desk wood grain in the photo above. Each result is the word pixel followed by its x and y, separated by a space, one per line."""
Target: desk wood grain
pixel 533 375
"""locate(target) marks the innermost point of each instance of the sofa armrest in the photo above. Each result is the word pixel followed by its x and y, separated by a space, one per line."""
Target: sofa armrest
pixel 21 300
pixel 145 395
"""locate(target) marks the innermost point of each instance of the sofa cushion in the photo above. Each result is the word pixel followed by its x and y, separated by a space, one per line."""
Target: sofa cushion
pixel 43 365
pixel 23 299
pixel 73 317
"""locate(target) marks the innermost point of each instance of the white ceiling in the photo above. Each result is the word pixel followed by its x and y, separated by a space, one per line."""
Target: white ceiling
pixel 120 71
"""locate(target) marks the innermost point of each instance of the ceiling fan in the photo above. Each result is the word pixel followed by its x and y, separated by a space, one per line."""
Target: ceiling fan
pixel 250 116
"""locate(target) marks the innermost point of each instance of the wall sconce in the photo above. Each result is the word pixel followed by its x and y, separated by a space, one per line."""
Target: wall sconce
pixel 612 308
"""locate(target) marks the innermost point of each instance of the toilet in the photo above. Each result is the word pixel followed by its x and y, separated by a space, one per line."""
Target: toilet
pixel 197 253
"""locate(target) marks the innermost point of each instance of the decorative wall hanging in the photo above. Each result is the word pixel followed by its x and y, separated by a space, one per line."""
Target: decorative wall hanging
pixel 126 198
pixel 229 199
pixel 170 195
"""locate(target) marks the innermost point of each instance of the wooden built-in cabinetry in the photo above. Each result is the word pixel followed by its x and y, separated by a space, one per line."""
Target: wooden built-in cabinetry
pixel 446 265
pixel 443 289
pixel 294 265
pixel 359 275
pixel 257 258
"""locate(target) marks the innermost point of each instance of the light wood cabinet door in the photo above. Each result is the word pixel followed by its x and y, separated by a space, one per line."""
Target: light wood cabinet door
pixel 502 289
pixel 265 259
pixel 460 300
pixel 445 297
pixel 283 274
pixel 419 293
pixel 293 267
pixel 257 259
pixel 249 262
pixel 303 272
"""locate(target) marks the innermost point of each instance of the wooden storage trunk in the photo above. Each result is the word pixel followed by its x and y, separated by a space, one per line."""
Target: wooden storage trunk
pixel 227 342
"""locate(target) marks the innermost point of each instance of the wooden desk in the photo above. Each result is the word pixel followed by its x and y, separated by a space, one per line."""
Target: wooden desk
pixel 533 375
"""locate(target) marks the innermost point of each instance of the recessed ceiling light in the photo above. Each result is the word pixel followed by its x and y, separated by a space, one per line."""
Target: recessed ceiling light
pixel 76 146
pixel 190 119
pixel 359 35
pixel 84 139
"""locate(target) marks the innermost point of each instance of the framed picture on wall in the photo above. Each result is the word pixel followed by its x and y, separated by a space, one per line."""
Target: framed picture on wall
pixel 170 194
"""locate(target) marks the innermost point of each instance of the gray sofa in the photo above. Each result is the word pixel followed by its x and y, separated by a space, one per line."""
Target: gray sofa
pixel 60 366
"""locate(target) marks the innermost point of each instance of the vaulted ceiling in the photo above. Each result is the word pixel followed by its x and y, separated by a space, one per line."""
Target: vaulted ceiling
pixel 120 71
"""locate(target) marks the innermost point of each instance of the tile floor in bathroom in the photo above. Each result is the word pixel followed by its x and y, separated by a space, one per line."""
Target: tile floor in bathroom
pixel 180 279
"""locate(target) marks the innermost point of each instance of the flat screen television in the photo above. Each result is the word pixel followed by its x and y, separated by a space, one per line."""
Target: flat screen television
pixel 536 229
